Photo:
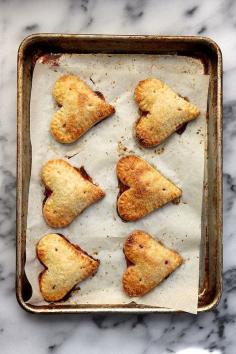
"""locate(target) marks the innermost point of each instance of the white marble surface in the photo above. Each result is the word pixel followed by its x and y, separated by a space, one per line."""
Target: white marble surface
pixel 21 332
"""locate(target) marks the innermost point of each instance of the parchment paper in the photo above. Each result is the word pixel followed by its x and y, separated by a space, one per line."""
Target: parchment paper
pixel 99 230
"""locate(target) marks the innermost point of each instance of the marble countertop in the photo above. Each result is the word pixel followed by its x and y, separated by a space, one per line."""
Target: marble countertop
pixel 20 332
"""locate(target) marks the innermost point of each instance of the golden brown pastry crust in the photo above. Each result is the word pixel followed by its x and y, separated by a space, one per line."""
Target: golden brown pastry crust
pixel 66 266
pixel 151 263
pixel 81 109
pixel 147 188
pixel 163 112
pixel 71 193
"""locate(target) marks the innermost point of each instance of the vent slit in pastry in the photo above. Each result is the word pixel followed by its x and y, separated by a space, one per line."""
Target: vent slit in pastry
pixel 149 262
pixel 147 189
pixel 65 264
pixel 81 108
pixel 162 112
pixel 71 191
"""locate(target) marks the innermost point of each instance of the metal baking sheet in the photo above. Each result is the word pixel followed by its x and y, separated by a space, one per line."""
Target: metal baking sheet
pixel 205 50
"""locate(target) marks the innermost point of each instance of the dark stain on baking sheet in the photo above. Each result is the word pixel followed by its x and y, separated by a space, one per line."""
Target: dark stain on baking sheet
pixel 35 57
pixel 51 59
pixel 204 60
pixel 205 293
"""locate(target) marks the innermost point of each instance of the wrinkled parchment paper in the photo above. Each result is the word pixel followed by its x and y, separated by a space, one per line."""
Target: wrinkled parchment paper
pixel 99 230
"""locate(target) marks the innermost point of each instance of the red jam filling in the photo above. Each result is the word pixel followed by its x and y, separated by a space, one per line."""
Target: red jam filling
pixel 47 193
pixel 128 262
pixel 122 188
pixel 84 173
pixel 181 128
pixel 100 95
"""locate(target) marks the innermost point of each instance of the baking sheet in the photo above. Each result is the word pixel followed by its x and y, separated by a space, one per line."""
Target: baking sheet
pixel 98 229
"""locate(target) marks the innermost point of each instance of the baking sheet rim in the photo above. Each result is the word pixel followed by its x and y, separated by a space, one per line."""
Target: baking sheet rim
pixel 20 243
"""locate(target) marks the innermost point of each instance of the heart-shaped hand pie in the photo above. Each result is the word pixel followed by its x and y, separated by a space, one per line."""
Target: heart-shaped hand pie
pixel 149 263
pixel 163 112
pixel 81 108
pixel 68 192
pixel 67 265
pixel 143 188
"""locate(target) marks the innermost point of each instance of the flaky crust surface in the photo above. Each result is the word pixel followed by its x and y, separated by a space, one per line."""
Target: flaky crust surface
pixel 81 108
pixel 66 266
pixel 151 262
pixel 148 189
pixel 163 112
pixel 71 193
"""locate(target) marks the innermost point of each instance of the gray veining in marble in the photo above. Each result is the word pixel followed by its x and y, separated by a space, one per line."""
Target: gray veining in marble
pixel 20 332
